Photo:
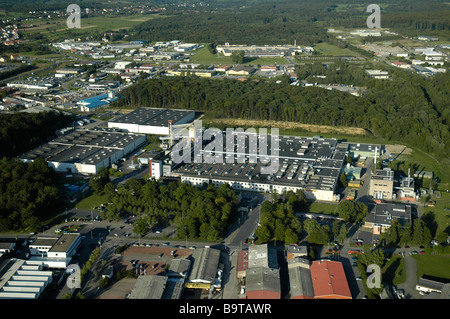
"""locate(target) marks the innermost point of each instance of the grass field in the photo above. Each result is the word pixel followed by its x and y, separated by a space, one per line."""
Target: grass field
pixel 92 201
pixel 332 50
pixel 93 25
pixel 203 56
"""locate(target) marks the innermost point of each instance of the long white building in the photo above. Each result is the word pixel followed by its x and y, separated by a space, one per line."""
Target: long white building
pixel 151 120
pixel 85 151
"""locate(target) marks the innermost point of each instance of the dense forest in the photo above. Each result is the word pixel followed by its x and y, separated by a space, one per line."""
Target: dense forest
pixel 27 194
pixel 275 22
pixel 410 108
pixel 20 132
pixel 196 213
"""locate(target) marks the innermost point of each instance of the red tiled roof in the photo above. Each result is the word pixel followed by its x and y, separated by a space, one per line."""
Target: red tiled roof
pixel 329 280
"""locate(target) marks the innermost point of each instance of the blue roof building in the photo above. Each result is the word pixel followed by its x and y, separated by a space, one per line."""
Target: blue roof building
pixel 92 103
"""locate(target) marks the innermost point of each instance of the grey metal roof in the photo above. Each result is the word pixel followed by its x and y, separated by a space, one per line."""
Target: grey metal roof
pixel 206 261
pixel 300 282
pixel 149 287
pixel 385 213
pixel 262 256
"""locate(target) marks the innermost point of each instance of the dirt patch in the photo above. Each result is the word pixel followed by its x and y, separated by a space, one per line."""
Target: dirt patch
pixel 150 253
pixel 150 260
pixel 291 125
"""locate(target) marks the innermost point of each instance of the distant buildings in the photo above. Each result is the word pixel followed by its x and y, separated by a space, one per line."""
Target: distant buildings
pixel 55 252
pixel 93 103
pixel 263 50
pixel 366 33
pixel 378 74
pixel 427 38
pixel 184 47
pixel 33 83
pixel 241 70
pixel 401 65
pixel 196 72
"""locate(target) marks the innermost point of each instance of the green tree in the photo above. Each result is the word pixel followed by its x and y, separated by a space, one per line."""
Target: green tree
pixel 335 228
pixel 347 210
pixel 290 236
pixel 343 180
pixel 98 181
pixel 405 234
pixel 361 212
pixel 141 226
pixel 263 234
pixel 238 57
pixel 421 234
pixel 343 233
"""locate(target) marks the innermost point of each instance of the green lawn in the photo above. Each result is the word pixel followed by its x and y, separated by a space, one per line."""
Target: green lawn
pixel 203 56
pixel 433 265
pixel 93 25
pixel 440 168
pixel 332 50
pixel 322 208
pixel 394 271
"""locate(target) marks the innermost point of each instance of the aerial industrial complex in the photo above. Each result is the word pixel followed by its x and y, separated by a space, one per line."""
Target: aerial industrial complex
pixel 311 164
pixel 85 151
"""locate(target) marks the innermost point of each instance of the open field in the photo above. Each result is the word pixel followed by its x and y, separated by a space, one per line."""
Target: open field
pixel 440 168
pixel 441 212
pixel 433 265
pixel 58 28
pixel 203 56
pixel 332 50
